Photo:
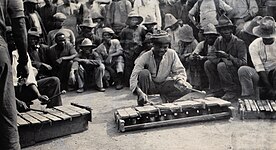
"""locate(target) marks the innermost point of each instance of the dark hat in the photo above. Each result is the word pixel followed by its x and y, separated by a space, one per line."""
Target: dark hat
pixel 87 22
pixel 249 25
pixel 266 29
pixel 185 33
pixel 170 20
pixel 133 14
pixel 160 37
pixel 33 32
pixel 224 21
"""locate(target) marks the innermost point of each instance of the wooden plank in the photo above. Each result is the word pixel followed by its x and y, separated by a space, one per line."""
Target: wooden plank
pixel 219 101
pixel 37 116
pixel 247 105
pixel 51 117
pixel 78 109
pixel 189 104
pixel 256 105
pixel 29 118
pixel 122 113
pixel 146 109
pixel 209 117
pixel 68 111
pixel 206 102
pixel 265 104
pixel 260 105
pixel 253 107
pixel 59 114
pixel 269 105
pixel 273 104
pixel 131 112
pixel 21 121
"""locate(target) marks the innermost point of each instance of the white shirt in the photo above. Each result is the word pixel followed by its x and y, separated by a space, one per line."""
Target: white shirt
pixel 263 56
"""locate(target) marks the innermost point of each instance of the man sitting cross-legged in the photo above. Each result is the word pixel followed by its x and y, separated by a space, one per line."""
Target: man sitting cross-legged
pixel 159 71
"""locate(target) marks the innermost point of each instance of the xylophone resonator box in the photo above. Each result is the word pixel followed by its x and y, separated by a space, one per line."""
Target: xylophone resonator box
pixel 257 109
pixel 142 117
pixel 59 121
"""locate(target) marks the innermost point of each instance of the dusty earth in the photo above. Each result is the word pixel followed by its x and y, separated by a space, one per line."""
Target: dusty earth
pixel 103 135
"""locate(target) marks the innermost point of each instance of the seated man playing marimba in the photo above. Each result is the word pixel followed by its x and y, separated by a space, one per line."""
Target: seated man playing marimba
pixel 159 71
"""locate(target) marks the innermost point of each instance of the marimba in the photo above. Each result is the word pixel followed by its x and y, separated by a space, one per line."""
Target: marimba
pixel 34 126
pixel 142 117
pixel 257 109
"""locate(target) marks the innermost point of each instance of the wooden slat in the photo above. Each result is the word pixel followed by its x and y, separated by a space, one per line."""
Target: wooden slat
pixel 247 105
pixel 39 117
pixel 51 117
pixel 265 104
pixel 59 114
pixel 189 104
pixel 206 102
pixel 146 109
pixel 21 121
pixel 260 105
pixel 77 109
pixel 68 111
pixel 29 118
pixel 219 101
pixel 131 112
pixel 122 113
pixel 256 105
pixel 273 104
pixel 253 107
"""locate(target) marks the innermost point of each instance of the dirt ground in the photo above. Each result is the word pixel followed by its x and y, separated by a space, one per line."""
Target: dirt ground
pixel 103 135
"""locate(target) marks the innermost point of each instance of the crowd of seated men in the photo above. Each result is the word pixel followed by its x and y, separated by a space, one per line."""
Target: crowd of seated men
pixel 226 47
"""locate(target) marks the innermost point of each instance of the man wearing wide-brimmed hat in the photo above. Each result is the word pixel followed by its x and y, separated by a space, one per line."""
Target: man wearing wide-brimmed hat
pixel 159 71
pixel 200 55
pixel 263 55
pixel 248 36
pixel 86 31
pixel 69 34
pixel 172 26
pixel 89 66
pixel 110 52
pixel 131 39
pixel 222 68
pixel 149 24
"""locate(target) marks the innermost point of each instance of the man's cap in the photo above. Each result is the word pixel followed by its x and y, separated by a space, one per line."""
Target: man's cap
pixel 210 29
pixel 169 20
pixel 59 16
pixel 224 22
pixel 249 25
pixel 87 22
pixel 160 36
pixel 134 14
pixel 266 29
pixel 185 33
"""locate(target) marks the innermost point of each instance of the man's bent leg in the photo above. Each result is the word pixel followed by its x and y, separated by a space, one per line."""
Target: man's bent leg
pixel 213 77
pixel 249 79
pixel 99 74
pixel 50 86
pixel 9 138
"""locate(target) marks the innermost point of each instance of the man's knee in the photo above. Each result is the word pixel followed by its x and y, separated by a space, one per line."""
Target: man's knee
pixel 144 73
pixel 208 64
pixel 244 71
pixel 54 81
pixel 221 66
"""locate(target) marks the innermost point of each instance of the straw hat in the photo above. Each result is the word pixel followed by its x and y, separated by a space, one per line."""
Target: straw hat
pixel 170 20
pixel 186 33
pixel 266 29
pixel 210 29
pixel 108 30
pixel 149 20
pixel 160 37
pixel 134 14
pixel 249 25
pixel 87 22
pixel 224 21
pixel 59 16
pixel 87 43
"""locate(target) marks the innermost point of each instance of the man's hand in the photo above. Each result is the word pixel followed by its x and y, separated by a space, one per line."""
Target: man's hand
pixel 22 106
pixel 183 85
pixel 48 67
pixel 142 98
pixel 22 71
pixel 222 54
pixel 59 60
pixel 43 99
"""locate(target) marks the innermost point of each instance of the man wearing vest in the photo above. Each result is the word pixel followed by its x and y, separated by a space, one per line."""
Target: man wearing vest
pixel 222 69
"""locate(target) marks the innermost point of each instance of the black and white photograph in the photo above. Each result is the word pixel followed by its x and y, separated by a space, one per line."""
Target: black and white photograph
pixel 137 74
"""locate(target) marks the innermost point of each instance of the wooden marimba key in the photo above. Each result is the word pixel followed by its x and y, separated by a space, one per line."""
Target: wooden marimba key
pixel 257 109
pixel 35 126
pixel 134 118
